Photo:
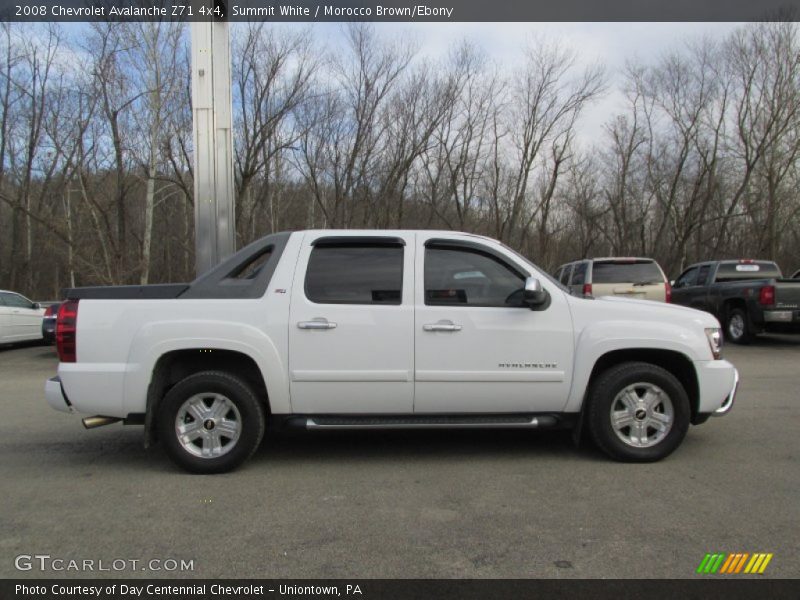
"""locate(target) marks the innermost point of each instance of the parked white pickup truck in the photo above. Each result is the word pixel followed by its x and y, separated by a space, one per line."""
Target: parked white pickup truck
pixel 383 329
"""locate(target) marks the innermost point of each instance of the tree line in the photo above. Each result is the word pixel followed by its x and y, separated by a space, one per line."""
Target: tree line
pixel 700 161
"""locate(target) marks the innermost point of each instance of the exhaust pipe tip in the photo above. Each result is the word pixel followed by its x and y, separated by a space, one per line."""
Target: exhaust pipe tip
pixel 98 421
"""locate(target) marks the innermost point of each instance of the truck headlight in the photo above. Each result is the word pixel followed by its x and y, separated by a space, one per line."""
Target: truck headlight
pixel 714 335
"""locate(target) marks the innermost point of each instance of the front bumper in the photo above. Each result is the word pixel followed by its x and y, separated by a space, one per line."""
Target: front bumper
pixel 56 398
pixel 717 382
pixel 728 404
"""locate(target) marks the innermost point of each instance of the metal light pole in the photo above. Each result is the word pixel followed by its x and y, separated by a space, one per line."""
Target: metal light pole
pixel 215 234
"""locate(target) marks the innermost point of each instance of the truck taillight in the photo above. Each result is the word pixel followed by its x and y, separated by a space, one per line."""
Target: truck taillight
pixel 66 331
pixel 766 296
pixel 587 289
pixel 667 292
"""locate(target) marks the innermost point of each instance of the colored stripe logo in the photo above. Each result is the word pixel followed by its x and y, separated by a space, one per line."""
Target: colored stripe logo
pixel 734 563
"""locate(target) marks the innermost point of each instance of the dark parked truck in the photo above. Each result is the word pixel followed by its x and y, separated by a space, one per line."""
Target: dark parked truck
pixel 747 296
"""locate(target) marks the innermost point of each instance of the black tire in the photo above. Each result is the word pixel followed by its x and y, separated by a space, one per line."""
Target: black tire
pixel 249 414
pixel 603 396
pixel 737 327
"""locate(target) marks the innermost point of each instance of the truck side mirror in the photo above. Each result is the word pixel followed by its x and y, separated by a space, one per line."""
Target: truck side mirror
pixel 534 295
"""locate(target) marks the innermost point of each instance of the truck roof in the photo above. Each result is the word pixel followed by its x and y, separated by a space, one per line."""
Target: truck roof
pixel 743 261
pixel 359 232
pixel 744 269
pixel 624 259
pixel 734 261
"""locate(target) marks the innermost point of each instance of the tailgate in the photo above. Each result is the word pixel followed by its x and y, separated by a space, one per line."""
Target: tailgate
pixel 787 293
pixel 626 290
pixel 655 291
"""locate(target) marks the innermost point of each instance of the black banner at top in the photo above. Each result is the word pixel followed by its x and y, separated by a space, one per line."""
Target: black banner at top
pixel 398 10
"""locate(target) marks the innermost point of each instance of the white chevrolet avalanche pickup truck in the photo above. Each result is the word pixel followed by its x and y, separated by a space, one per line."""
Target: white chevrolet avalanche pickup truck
pixel 383 329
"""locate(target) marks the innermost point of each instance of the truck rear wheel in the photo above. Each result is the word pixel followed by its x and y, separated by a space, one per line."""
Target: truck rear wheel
pixel 211 422
pixel 737 327
pixel 638 412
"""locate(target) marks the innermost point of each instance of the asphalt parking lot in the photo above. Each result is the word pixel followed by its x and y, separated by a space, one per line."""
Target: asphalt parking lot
pixel 427 504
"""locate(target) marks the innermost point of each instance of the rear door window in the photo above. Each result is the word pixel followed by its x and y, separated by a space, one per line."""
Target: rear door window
pixel 702 275
pixel 642 272
pixel 355 274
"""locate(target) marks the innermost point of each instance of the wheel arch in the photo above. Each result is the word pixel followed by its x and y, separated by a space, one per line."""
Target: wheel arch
pixel 751 327
pixel 676 363
pixel 731 303
pixel 175 365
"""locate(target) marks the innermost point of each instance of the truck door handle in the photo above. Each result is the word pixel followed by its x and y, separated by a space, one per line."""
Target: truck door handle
pixel 441 326
pixel 318 323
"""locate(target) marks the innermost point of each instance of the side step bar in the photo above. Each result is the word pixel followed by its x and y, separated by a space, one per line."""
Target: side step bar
pixel 430 422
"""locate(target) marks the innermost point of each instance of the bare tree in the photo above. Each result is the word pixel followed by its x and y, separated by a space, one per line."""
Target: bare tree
pixel 273 71
pixel 545 105
pixel 343 129
pixel 763 63
pixel 152 57
pixel 699 161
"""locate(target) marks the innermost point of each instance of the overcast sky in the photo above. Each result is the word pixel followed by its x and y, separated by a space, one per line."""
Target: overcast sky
pixel 611 44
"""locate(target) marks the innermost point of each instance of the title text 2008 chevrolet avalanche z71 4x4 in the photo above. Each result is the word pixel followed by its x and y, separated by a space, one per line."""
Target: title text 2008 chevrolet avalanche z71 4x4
pixel 383 329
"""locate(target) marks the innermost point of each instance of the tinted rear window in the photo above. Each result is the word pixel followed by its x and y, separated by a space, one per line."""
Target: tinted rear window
pixel 626 272
pixel 743 271
pixel 355 275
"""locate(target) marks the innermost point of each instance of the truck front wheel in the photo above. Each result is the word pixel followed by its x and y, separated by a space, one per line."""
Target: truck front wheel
pixel 211 422
pixel 638 412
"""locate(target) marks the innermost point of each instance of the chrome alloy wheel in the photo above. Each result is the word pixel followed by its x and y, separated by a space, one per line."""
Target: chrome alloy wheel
pixel 642 415
pixel 208 425
pixel 736 326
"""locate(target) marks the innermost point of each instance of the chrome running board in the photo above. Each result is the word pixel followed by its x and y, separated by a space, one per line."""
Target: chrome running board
pixel 432 422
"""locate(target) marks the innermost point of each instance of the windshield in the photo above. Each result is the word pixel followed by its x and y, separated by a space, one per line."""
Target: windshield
pixel 641 272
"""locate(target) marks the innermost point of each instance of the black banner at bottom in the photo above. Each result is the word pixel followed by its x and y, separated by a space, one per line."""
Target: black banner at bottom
pixel 416 589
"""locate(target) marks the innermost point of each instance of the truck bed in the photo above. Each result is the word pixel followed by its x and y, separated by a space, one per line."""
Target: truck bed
pixel 243 275
pixel 126 292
